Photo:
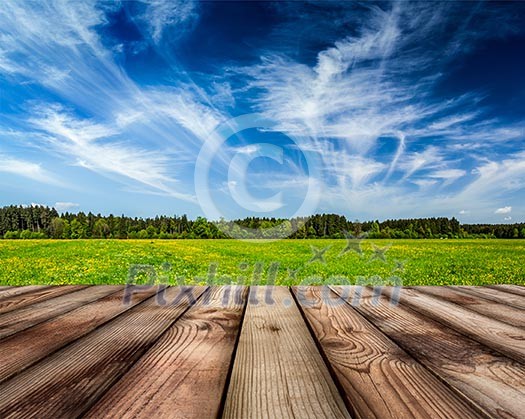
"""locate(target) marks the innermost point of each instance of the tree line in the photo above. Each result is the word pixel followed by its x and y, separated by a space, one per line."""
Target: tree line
pixel 36 222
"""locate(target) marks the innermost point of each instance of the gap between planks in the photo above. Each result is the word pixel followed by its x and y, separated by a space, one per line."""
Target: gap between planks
pixel 378 377
pixel 27 347
pixel 502 337
pixel 25 317
pixel 495 310
pixel 278 371
pixel 69 381
pixel 185 372
pixel 40 293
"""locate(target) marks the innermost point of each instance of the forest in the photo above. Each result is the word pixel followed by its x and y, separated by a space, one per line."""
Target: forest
pixel 39 222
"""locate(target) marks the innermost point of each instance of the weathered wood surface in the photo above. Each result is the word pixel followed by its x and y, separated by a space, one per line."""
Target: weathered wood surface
pixel 508 314
pixel 18 320
pixel 14 302
pixel 495 383
pixel 91 365
pixel 12 291
pixel 278 371
pixel 379 378
pixel 26 348
pixel 513 289
pixel 196 352
pixel 508 340
pixel 495 295
pixel 190 363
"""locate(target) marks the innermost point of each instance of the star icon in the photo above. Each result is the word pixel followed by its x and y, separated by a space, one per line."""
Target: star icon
pixel 318 254
pixel 353 243
pixel 400 265
pixel 292 273
pixel 379 253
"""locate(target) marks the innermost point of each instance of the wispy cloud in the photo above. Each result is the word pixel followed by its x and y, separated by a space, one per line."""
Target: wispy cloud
pixel 94 147
pixel 363 96
pixel 133 133
pixel 27 169
pixel 363 92
pixel 448 176
pixel 160 15
pixel 357 91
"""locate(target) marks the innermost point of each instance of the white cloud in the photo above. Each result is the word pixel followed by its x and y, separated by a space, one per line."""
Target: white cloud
pixel 464 212
pixel 65 206
pixel 503 210
pixel 357 169
pixel 163 14
pixel 27 169
pixel 449 175
pixel 361 92
pixel 451 121
pixel 247 149
pixel 179 105
pixel 223 94
pixel 424 183
pixel 62 51
pixel 509 218
pixel 429 158
pixel 358 93
pixel 494 181
pixel 93 147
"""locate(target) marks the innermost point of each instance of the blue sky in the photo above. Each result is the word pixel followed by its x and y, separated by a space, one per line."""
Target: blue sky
pixel 372 110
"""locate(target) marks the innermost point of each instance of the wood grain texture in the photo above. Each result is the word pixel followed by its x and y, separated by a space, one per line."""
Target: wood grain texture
pixel 495 295
pixel 510 315
pixel 278 371
pixel 183 375
pixel 17 320
pixel 379 379
pixel 29 346
pixel 512 289
pixel 25 299
pixel 508 340
pixel 14 291
pixel 68 382
pixel 495 383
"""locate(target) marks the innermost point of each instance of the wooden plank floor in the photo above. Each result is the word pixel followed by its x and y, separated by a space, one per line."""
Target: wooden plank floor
pixel 262 352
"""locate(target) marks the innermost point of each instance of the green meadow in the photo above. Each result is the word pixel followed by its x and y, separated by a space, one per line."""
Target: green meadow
pixel 285 262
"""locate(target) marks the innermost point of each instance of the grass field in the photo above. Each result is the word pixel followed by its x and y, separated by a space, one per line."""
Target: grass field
pixel 416 262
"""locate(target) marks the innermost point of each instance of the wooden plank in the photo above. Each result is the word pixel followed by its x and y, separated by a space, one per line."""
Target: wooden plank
pixel 35 296
pixel 68 382
pixel 183 375
pixel 14 291
pixel 278 371
pixel 492 381
pixel 498 311
pixel 17 320
pixel 5 288
pixel 29 346
pixel 495 295
pixel 379 379
pixel 512 289
pixel 508 340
